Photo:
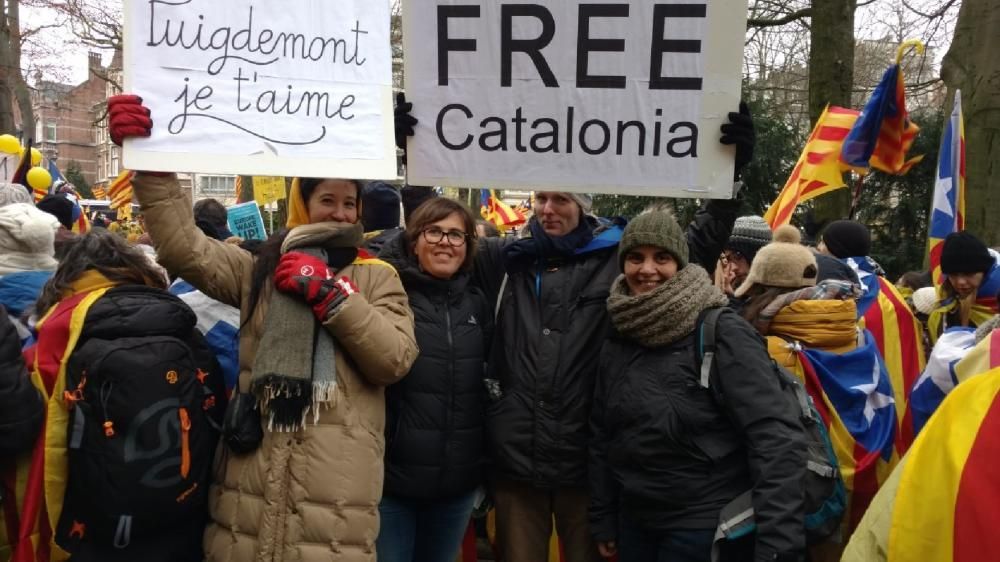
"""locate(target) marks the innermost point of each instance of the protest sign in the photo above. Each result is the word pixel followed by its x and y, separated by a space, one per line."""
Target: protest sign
pixel 620 97
pixel 290 88
pixel 267 189
pixel 246 221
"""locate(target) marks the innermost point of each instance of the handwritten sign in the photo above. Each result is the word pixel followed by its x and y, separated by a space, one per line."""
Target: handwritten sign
pixel 290 88
pixel 267 189
pixel 246 221
pixel 619 97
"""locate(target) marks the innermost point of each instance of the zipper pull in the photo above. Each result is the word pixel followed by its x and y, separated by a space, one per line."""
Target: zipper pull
pixel 109 429
pixel 185 442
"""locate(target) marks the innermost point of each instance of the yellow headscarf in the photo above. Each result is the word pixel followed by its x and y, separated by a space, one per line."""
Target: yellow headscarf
pixel 298 214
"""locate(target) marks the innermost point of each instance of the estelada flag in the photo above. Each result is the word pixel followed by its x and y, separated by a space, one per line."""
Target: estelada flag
pixel 499 213
pixel 883 134
pixel 854 396
pixel 946 507
pixel 898 336
pixel 819 169
pixel 121 190
pixel 948 203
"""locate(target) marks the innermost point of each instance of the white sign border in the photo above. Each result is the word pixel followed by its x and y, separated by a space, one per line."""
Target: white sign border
pixel 715 172
pixel 262 164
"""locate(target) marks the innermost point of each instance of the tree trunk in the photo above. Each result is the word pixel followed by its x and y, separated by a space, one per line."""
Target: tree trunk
pixel 7 69
pixel 15 77
pixel 973 66
pixel 831 79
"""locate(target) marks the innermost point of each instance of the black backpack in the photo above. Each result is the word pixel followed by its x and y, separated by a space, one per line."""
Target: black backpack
pixel 144 421
pixel 825 495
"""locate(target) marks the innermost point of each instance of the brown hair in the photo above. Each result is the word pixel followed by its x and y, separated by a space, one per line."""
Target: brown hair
pixel 757 298
pixel 440 208
pixel 106 253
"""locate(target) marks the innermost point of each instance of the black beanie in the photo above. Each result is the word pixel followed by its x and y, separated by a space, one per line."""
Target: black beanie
pixel 60 207
pixel 413 197
pixel 964 253
pixel 379 206
pixel 847 239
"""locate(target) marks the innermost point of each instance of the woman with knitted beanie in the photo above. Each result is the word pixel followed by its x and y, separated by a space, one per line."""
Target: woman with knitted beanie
pixel 810 324
pixel 666 455
pixel 324 328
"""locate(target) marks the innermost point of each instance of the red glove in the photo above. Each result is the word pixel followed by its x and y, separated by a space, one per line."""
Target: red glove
pixel 127 117
pixel 309 276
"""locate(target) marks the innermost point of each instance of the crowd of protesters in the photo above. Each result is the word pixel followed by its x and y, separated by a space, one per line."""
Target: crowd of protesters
pixel 355 386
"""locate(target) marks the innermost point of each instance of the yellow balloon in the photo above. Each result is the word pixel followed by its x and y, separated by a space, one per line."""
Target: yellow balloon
pixel 39 178
pixel 9 144
pixel 36 157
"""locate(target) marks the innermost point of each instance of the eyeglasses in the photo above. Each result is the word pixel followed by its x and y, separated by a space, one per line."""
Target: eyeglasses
pixel 434 235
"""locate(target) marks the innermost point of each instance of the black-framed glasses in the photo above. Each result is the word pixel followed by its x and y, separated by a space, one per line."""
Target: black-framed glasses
pixel 434 235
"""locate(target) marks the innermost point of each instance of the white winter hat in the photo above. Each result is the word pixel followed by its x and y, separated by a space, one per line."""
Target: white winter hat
pixel 925 299
pixel 11 193
pixel 27 238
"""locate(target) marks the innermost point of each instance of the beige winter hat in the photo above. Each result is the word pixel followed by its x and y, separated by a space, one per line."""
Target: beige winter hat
pixel 785 262
pixel 925 299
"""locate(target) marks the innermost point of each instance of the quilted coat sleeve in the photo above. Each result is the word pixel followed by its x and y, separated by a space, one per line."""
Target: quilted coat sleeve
pixel 21 406
pixel 213 267
pixel 709 231
pixel 375 326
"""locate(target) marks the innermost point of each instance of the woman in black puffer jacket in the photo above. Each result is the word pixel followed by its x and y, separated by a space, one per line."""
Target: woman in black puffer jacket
pixel 435 415
pixel 21 406
pixel 666 455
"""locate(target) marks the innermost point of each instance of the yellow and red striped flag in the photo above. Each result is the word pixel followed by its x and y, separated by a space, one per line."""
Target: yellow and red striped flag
pixel 493 209
pixel 238 188
pixel 819 169
pixel 99 192
pixel 946 506
pixel 121 190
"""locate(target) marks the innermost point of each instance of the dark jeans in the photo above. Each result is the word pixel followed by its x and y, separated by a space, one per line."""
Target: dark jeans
pixel 422 531
pixel 683 545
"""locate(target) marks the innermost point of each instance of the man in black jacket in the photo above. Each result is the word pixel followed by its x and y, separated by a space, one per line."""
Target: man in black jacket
pixel 21 407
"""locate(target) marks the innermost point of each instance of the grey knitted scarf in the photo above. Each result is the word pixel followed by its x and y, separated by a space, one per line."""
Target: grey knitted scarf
pixel 294 370
pixel 667 313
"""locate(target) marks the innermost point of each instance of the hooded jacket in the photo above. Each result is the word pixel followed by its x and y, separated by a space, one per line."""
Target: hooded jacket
pixel 27 239
pixel 311 495
pixel 552 321
pixel 435 416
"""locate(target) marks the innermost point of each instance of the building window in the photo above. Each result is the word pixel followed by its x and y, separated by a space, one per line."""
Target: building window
pixel 114 165
pixel 50 132
pixel 216 186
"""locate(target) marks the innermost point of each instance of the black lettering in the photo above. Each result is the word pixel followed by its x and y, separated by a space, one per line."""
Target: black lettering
pixel 569 129
pixel 691 139
pixel 660 46
pixel 583 137
pixel 586 45
pixel 552 135
pixel 657 133
pixel 518 120
pixel 622 127
pixel 500 133
pixel 446 44
pixel 239 89
pixel 440 127
pixel 531 47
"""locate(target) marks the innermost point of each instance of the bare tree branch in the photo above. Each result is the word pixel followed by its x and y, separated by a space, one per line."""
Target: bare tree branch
pixel 789 18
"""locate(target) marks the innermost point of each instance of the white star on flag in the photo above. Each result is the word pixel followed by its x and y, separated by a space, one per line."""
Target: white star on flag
pixel 875 400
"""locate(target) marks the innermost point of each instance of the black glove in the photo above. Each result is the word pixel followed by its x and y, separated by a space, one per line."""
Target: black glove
pixel 738 131
pixel 403 120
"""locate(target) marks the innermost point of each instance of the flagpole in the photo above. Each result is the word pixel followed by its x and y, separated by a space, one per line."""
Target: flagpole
pixel 859 182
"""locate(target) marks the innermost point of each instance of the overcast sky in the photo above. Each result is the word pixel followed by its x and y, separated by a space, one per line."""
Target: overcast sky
pixel 67 62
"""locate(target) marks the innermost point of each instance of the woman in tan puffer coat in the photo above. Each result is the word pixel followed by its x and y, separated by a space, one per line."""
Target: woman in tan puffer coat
pixel 310 491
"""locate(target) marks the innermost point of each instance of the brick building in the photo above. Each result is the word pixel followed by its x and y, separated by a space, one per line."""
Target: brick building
pixel 64 117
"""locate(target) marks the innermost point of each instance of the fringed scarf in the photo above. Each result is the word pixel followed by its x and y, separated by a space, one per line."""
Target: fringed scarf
pixel 294 371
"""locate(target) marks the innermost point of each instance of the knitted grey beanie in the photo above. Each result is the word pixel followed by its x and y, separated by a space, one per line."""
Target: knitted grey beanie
pixel 654 228
pixel 750 234
pixel 11 193
pixel 584 200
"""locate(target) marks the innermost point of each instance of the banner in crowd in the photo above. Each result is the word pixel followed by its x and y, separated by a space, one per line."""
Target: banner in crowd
pixel 246 221
pixel 622 98
pixel 267 189
pixel 269 88
pixel 948 203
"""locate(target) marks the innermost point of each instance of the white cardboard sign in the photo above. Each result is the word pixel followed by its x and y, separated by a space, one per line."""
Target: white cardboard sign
pixel 624 97
pixel 262 87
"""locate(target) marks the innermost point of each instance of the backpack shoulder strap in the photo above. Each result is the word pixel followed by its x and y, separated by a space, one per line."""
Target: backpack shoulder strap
pixel 707 342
